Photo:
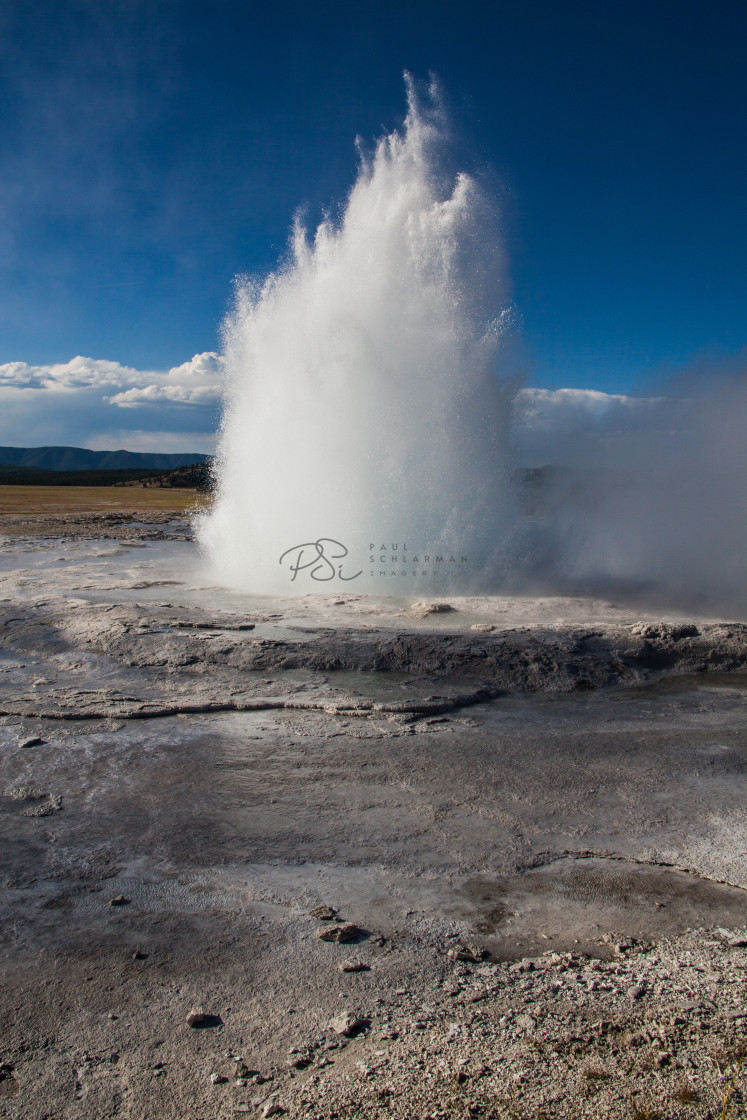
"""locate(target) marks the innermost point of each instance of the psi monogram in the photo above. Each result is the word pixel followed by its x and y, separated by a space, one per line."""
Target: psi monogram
pixel 318 556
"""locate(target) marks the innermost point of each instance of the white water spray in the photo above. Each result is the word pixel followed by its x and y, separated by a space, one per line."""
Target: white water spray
pixel 364 404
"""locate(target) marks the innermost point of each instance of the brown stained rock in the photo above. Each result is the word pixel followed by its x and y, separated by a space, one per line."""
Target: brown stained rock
pixel 471 953
pixel 345 932
pixel 324 913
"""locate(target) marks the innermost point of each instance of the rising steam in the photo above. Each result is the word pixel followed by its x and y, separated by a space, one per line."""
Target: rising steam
pixel 640 498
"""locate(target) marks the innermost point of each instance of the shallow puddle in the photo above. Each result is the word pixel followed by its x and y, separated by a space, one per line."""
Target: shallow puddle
pixel 577 901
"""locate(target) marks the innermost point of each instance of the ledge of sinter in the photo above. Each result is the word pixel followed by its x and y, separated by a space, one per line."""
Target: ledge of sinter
pixel 472 649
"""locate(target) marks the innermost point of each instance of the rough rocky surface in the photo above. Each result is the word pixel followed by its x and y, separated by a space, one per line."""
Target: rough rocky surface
pixel 143 525
pixel 537 831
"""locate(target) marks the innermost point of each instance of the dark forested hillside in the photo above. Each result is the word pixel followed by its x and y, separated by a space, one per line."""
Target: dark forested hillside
pixel 83 459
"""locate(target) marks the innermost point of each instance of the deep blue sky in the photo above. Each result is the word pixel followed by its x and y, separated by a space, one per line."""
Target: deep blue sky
pixel 152 149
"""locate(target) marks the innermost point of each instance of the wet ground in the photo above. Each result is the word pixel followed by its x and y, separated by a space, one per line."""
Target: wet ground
pixel 222 764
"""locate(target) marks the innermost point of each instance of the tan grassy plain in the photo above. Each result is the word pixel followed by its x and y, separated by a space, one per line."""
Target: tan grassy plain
pixel 96 499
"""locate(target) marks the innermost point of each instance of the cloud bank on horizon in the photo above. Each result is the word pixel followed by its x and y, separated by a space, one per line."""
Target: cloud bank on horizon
pixel 101 404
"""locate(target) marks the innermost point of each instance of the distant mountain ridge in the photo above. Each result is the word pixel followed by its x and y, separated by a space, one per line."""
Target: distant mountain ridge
pixel 82 459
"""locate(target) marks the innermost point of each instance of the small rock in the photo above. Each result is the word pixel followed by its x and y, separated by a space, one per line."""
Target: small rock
pixel 346 932
pixel 637 991
pixel 119 900
pixel 737 942
pixel 525 1022
pixel 32 741
pixel 218 1079
pixel 354 966
pixel 482 627
pixel 199 1018
pixel 44 810
pixel 243 1071
pixel 323 913
pixel 423 608
pixel 272 1109
pixel 471 953
pixel 346 1024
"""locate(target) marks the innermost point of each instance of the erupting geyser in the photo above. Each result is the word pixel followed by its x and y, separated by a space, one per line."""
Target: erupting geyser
pixel 364 439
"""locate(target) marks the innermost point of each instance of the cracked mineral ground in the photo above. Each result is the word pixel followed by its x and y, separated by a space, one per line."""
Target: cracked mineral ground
pixel 531 812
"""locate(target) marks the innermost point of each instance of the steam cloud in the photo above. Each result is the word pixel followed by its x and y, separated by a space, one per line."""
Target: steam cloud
pixel 645 497
pixel 370 398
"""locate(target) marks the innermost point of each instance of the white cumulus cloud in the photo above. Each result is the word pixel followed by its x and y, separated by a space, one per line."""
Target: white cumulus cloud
pixel 152 394
pixel 196 381
pixel 75 401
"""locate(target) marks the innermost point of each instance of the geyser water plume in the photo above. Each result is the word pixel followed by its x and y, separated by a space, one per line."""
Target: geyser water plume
pixel 363 442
